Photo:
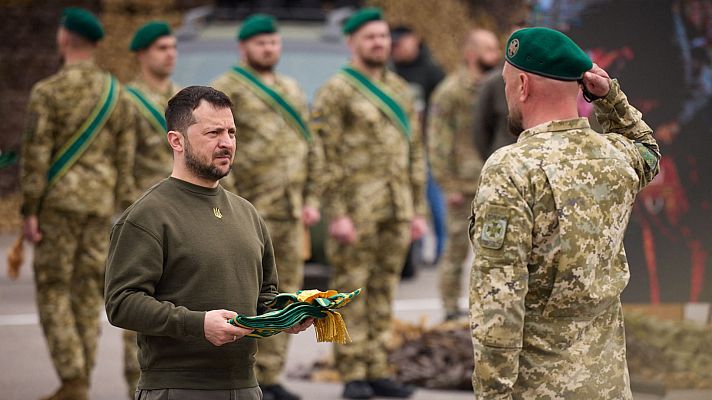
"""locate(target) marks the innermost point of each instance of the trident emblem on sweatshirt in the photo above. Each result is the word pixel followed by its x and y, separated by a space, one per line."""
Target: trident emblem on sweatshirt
pixel 217 213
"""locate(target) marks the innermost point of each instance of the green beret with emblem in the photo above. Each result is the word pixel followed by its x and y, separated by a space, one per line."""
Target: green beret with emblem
pixel 361 17
pixel 547 52
pixel 83 23
pixel 148 33
pixel 256 24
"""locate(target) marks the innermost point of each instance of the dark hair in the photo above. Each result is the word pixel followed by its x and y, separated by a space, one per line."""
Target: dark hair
pixel 179 113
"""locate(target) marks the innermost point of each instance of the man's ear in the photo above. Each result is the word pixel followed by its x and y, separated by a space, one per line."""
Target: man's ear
pixel 176 141
pixel 525 83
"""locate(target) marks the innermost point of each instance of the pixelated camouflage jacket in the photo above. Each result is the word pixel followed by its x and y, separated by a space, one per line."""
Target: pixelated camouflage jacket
pixel 154 156
pixel 101 181
pixel 547 229
pixel 275 167
pixel 374 172
pixel 454 159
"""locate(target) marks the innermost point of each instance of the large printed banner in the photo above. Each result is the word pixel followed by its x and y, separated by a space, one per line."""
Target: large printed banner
pixel 661 52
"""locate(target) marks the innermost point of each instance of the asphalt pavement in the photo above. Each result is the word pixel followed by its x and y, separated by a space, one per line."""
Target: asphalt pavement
pixel 26 371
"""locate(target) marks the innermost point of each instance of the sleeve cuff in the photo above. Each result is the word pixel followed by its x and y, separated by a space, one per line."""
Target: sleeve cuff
pixel 29 207
pixel 194 323
pixel 311 201
pixel 609 101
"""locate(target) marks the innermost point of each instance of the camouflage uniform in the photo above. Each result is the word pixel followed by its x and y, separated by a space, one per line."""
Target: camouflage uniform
pixel 375 177
pixel 74 214
pixel 279 172
pixel 153 162
pixel 154 156
pixel 456 166
pixel 547 229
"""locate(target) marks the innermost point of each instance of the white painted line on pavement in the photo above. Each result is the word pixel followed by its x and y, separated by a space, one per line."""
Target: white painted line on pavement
pixel 27 319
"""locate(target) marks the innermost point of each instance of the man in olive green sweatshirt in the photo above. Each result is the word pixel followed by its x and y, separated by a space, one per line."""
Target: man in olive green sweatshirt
pixel 187 256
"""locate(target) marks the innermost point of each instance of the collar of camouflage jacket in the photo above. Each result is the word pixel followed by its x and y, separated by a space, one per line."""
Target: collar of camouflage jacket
pixel 555 126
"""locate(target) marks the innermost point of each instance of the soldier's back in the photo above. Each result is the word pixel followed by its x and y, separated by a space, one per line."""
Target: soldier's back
pixel 580 190
pixel 61 107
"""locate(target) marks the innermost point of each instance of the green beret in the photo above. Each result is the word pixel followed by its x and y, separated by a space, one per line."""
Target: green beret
pixel 256 24
pixel 361 17
pixel 148 33
pixel 83 23
pixel 548 53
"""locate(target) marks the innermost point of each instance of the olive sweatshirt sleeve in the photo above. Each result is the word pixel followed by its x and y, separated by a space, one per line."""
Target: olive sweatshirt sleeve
pixel 134 268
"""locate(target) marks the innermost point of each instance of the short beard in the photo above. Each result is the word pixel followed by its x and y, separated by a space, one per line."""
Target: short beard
pixel 484 67
pixel 514 123
pixel 371 63
pixel 202 170
pixel 261 68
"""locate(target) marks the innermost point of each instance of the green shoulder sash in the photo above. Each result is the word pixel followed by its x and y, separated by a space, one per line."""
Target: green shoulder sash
pixel 379 98
pixel 273 99
pixel 87 132
pixel 149 109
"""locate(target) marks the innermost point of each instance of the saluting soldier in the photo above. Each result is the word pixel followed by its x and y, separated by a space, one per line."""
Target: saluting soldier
pixel 155 47
pixel 278 170
pixel 374 197
pixel 454 159
pixel 547 228
pixel 76 173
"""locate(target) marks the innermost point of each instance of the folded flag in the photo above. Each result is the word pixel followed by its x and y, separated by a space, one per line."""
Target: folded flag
pixel 290 309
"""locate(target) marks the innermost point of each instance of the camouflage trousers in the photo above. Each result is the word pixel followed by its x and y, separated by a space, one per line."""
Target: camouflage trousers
pixel 132 369
pixel 374 263
pixel 457 250
pixel 287 238
pixel 69 276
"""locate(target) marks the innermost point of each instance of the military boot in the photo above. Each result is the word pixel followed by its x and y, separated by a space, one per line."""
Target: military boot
pixel 72 389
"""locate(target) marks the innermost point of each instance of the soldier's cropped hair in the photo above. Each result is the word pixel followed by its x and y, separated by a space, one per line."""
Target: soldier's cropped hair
pixel 179 113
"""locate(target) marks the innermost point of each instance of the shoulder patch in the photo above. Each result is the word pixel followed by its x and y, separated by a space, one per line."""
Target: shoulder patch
pixel 649 156
pixel 494 228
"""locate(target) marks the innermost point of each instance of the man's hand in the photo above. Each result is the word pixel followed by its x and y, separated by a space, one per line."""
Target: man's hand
pixel 455 199
pixel 418 228
pixel 342 230
pixel 597 81
pixel 304 325
pixel 31 229
pixel 310 215
pixel 218 331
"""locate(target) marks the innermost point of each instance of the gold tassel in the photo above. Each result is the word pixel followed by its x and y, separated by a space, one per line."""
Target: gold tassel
pixel 332 328
pixel 15 257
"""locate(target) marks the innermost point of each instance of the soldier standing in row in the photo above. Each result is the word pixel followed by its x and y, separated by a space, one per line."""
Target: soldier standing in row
pixel 76 173
pixel 547 229
pixel 155 49
pixel 278 169
pixel 374 198
pixel 454 160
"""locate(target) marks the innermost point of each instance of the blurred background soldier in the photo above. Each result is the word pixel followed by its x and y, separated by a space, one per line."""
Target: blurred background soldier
pixel 76 172
pixel 375 196
pixel 277 170
pixel 413 61
pixel 454 160
pixel 490 114
pixel 155 49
